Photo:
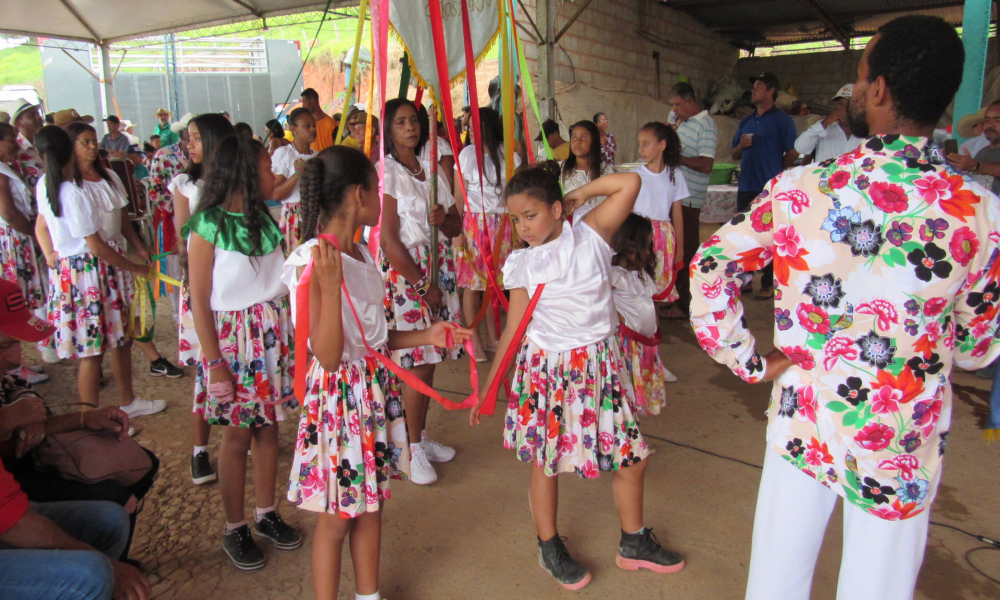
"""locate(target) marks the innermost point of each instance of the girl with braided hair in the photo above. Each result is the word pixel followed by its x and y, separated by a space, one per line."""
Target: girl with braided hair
pixel 352 434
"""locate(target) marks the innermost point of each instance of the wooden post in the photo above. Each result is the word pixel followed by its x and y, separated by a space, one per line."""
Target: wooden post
pixel 433 141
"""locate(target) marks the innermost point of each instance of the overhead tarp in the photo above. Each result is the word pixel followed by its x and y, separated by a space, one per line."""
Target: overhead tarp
pixel 107 21
pixel 411 21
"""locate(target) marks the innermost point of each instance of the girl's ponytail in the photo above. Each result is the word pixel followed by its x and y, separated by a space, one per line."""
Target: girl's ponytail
pixel 310 197
pixel 56 149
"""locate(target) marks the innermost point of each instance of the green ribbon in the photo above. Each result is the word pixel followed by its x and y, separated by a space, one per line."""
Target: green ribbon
pixel 530 89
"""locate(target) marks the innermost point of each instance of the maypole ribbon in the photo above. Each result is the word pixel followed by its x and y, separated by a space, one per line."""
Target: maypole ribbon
pixel 524 109
pixel 432 133
pixel 302 346
pixel 354 67
pixel 662 296
pixel 530 89
pixel 381 61
pixel 142 303
pixel 489 402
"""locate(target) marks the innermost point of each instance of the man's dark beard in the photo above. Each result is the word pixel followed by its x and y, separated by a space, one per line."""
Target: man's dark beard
pixel 857 121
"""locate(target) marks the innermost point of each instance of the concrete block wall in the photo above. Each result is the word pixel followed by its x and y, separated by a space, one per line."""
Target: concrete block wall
pixel 602 49
pixel 816 76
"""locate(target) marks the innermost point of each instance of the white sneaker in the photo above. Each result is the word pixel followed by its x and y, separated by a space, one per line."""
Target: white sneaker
pixel 141 407
pixel 29 375
pixel 668 377
pixel 421 471
pixel 49 355
pixel 436 452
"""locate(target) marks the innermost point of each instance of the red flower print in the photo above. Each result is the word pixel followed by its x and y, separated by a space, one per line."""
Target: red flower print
pixel 906 464
pixel 981 347
pixel 963 245
pixel 813 318
pixel 821 450
pixel 800 356
pixel 807 404
pixel 607 441
pixel 908 384
pixel 411 316
pixel 712 291
pixel 798 198
pixel 787 242
pixel 837 347
pixel 932 188
pixel 589 470
pixel 934 306
pixel 839 179
pixel 875 437
pixel 889 197
pixel 762 218
pixel 711 241
pixel 184 345
pixel 885 512
pixel 886 401
pixel 226 331
pixel 960 204
pixel 884 310
pixel 588 418
pixel 708 338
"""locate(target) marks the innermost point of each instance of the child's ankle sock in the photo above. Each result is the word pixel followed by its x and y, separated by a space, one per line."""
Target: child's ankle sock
pixel 199 449
pixel 231 527
pixel 260 512
pixel 635 532
pixel 375 596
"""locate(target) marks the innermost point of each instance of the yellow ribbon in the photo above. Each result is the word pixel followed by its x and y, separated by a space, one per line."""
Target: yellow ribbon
pixel 142 304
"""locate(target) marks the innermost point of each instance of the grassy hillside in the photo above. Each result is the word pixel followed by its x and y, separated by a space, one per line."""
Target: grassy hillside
pixel 21 66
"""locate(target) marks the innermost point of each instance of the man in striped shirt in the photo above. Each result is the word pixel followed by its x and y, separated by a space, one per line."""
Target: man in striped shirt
pixel 698 136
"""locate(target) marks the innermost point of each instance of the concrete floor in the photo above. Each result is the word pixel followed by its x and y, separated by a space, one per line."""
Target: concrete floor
pixel 470 535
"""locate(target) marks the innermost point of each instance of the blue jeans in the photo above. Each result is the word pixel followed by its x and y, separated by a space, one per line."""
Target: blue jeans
pixel 68 574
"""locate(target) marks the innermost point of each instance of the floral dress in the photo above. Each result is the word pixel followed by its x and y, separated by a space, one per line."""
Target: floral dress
pixel 633 296
pixel 570 407
pixel 352 434
pixel 252 320
pixel 17 250
pixel 608 149
pixel 887 265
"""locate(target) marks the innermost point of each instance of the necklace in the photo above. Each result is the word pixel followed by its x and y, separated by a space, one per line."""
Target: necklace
pixel 418 173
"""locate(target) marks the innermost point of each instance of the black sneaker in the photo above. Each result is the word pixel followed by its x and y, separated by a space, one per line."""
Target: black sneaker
pixel 162 367
pixel 281 534
pixel 556 560
pixel 242 550
pixel 201 469
pixel 643 551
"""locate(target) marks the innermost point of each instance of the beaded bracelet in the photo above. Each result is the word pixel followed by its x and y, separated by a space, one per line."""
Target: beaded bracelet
pixel 215 363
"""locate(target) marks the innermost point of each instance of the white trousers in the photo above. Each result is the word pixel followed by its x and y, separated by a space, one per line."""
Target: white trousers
pixel 880 561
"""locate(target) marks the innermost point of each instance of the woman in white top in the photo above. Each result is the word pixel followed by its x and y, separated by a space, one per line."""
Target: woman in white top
pixel 584 163
pixel 445 153
pixel 287 163
pixel 486 207
pixel 243 318
pixel 17 227
pixel 90 279
pixel 663 187
pixel 414 301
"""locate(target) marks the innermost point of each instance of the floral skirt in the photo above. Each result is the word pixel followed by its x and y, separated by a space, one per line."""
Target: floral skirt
pixel 664 246
pixel 644 365
pixel 570 412
pixel 289 223
pixel 471 260
pixel 352 439
pixel 405 310
pixel 258 343
pixel 20 265
pixel 89 304
pixel 188 348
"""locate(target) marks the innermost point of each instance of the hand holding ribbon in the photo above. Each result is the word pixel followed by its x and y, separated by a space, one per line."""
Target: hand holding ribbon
pixel 142 303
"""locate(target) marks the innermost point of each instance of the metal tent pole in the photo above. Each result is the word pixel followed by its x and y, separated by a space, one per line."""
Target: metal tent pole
pixel 975 34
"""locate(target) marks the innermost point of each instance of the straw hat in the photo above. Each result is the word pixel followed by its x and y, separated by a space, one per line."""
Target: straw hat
pixel 181 125
pixel 968 122
pixel 163 111
pixel 17 107
pixel 62 118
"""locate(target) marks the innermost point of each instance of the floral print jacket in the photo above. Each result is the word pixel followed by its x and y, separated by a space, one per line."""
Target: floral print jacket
pixel 887 268
pixel 167 163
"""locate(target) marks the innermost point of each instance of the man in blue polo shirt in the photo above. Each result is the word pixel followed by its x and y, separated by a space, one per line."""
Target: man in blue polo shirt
pixel 765 145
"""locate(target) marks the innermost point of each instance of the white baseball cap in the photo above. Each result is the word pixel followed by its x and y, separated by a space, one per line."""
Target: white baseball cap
pixel 181 125
pixel 845 92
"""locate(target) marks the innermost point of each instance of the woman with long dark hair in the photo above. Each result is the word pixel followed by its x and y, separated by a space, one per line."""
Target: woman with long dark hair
pixel 413 300
pixel 486 205
pixel 243 319
pixel 584 163
pixel 275 137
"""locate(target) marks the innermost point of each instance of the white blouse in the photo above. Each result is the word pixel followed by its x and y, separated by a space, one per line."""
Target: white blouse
pixel 633 298
pixel 109 200
pixel 489 195
pixel 411 200
pixel 79 219
pixel 658 194
pixel 190 190
pixel 444 149
pixel 19 191
pixel 240 281
pixel 283 163
pixel 367 290
pixel 576 307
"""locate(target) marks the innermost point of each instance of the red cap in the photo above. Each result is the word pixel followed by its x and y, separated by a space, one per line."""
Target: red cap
pixel 16 319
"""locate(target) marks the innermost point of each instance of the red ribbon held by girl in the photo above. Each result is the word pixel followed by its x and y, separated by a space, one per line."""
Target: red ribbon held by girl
pixel 302 347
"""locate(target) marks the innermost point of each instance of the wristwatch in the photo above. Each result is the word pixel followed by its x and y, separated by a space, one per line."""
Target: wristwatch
pixel 422 286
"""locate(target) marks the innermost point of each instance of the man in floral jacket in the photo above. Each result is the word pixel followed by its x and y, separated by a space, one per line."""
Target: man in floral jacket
pixel 887 266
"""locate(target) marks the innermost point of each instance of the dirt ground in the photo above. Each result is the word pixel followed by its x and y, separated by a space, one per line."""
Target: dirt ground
pixel 470 535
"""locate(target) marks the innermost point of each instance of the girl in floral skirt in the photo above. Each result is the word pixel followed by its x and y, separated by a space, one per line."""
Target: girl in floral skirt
pixel 17 241
pixel 352 434
pixel 413 301
pixel 633 285
pixel 90 280
pixel 485 206
pixel 242 316
pixel 205 133
pixel 570 408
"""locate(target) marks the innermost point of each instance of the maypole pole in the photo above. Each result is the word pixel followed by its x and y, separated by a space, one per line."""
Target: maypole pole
pixel 433 137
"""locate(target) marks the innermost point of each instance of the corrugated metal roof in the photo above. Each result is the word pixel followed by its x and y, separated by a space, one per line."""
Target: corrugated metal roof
pixel 751 23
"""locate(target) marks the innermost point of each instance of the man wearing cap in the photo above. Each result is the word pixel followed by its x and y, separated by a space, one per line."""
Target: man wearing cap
pixel 25 117
pixel 114 141
pixel 985 166
pixel 765 145
pixel 50 549
pixel 168 137
pixel 65 118
pixel 559 146
pixel 832 136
